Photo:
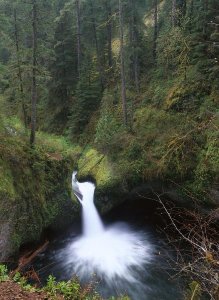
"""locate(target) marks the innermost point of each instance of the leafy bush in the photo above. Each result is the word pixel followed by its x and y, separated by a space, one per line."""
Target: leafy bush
pixel 3 273
pixel 108 131
pixel 207 168
pixel 71 290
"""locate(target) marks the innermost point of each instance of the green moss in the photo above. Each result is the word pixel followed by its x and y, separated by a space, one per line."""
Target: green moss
pixel 35 187
pixel 187 96
pixel 207 168
pixel 150 122
pixel 6 180
pixel 97 165
pixel 15 124
pixel 16 240
pixel 173 137
pixel 163 144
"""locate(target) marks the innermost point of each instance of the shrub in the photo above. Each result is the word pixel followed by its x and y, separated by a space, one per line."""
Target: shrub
pixel 3 273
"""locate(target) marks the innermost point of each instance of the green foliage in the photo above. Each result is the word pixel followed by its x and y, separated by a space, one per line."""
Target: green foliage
pixel 162 144
pixel 38 202
pixel 86 101
pixel 54 143
pixel 63 70
pixel 23 282
pixel 174 134
pixel 188 96
pixel 51 285
pixel 95 164
pixel 6 180
pixel 108 132
pixel 71 290
pixel 207 170
pixel 17 276
pixel 194 292
pixel 3 273
pixel 173 50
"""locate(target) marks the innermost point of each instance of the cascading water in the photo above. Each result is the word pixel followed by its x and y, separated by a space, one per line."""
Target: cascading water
pixel 119 259
pixel 92 224
pixel 115 254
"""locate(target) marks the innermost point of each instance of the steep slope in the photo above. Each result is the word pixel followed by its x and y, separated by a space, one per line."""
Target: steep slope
pixel 35 190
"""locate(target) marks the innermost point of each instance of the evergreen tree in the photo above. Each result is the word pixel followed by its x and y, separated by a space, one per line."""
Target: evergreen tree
pixel 34 65
pixel 86 100
pixel 122 64
pixel 64 68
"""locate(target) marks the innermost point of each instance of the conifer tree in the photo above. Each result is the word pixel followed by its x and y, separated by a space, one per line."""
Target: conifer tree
pixel 122 66
pixel 34 65
pixel 155 4
pixel 79 54
pixel 64 69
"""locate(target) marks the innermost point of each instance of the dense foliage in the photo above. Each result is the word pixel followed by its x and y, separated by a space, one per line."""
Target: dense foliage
pixel 169 68
pixel 70 290
pixel 130 85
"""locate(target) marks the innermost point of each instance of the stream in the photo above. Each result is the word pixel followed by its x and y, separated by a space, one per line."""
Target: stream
pixel 123 254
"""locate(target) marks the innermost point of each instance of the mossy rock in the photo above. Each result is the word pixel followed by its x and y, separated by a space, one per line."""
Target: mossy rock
pixel 96 165
pixel 6 180
pixel 35 193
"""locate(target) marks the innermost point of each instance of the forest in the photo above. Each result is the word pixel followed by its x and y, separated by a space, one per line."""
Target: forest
pixel 125 92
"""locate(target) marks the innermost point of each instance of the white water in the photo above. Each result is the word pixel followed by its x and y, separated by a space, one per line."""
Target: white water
pixel 92 224
pixel 114 254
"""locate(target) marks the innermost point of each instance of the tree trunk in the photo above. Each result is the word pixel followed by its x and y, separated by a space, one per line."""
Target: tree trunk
pixel 131 72
pixel 191 12
pixel 205 21
pixel 78 36
pixel 134 43
pixel 184 7
pixel 155 30
pixel 191 8
pixel 19 69
pixel 136 64
pixel 65 87
pixel 123 81
pixel 109 34
pixel 100 68
pixel 174 13
pixel 34 63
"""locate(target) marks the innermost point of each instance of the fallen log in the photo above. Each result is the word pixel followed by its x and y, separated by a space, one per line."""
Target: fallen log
pixel 25 259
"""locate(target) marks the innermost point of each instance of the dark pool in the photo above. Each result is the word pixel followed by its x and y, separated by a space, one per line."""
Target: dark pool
pixel 155 277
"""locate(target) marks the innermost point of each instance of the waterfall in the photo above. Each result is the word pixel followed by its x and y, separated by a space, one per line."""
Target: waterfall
pixel 92 224
pixel 113 259
pixel 115 254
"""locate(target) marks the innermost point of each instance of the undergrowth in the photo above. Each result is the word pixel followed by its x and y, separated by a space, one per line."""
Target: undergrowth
pixel 70 290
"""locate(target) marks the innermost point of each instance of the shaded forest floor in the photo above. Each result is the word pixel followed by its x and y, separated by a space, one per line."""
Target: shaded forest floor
pixel 10 290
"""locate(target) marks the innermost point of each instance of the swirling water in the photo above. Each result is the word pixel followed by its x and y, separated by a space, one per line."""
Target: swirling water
pixel 113 253
pixel 119 258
